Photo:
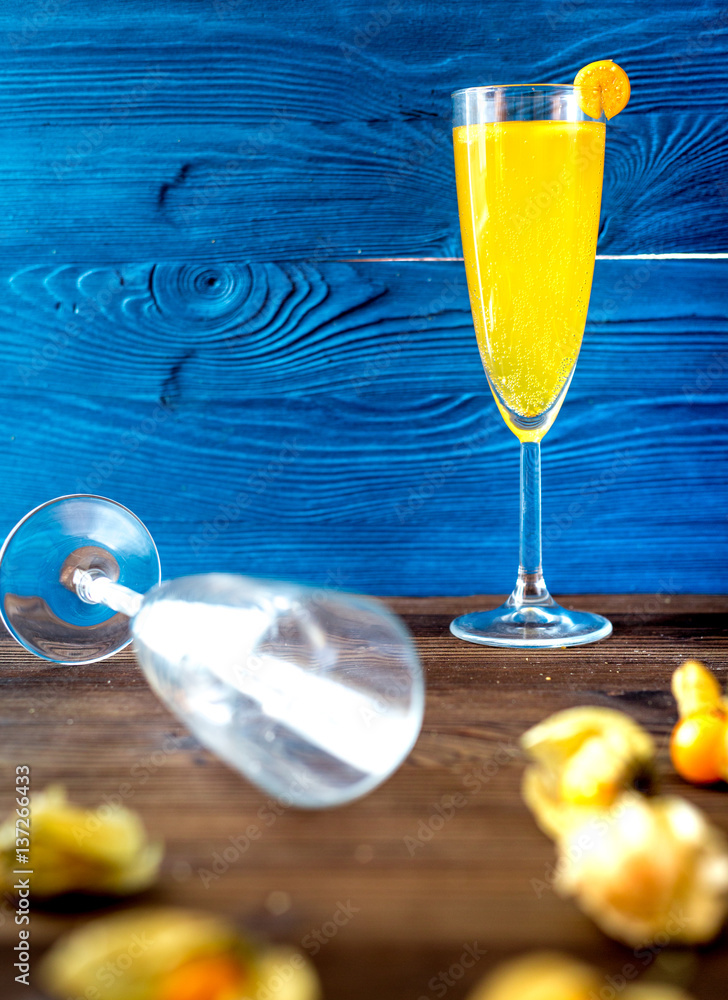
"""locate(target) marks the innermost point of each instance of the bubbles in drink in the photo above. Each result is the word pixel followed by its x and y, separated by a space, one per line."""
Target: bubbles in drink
pixel 533 189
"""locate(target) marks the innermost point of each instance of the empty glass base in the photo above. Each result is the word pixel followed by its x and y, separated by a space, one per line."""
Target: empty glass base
pixel 531 626
pixel 38 600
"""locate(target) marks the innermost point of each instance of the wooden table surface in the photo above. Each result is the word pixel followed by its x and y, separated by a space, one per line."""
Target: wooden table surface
pixel 414 904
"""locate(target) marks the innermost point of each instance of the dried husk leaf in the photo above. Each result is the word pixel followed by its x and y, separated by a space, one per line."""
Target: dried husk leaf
pixel 648 870
pixel 130 955
pixel 106 850
pixel 582 759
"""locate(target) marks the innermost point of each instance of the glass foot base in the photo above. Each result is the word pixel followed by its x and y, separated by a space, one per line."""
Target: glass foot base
pixel 531 627
pixel 38 602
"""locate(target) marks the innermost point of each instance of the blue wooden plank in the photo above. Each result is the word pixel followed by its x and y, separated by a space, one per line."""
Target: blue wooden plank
pixel 252 56
pixel 405 495
pixel 244 435
pixel 209 132
pixel 226 332
pixel 328 421
pixel 325 192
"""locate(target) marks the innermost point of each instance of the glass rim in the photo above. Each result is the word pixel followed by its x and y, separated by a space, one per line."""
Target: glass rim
pixel 512 86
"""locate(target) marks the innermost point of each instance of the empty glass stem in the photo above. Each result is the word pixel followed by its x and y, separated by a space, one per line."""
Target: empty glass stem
pixel 94 587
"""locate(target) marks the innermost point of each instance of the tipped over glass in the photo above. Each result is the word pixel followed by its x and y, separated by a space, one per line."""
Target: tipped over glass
pixel 314 695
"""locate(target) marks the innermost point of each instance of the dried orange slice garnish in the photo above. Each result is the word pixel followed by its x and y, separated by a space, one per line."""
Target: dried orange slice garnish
pixel 603 86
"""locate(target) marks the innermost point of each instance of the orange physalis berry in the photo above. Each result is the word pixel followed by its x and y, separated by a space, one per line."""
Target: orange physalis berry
pixel 697 746
pixel 210 977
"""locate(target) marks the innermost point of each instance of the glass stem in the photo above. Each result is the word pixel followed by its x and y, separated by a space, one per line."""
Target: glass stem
pixel 530 588
pixel 94 587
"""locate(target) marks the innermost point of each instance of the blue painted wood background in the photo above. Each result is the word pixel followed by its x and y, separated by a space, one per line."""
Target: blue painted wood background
pixel 189 322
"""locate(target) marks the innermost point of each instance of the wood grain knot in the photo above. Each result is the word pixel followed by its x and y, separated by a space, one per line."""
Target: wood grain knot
pixel 214 296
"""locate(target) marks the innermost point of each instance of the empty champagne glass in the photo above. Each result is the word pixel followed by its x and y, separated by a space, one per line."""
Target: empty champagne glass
pixel 314 695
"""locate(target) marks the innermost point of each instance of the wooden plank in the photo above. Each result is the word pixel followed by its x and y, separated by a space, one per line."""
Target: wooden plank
pixel 333 423
pixel 393 498
pixel 97 728
pixel 178 333
pixel 237 55
pixel 326 191
pixel 212 132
